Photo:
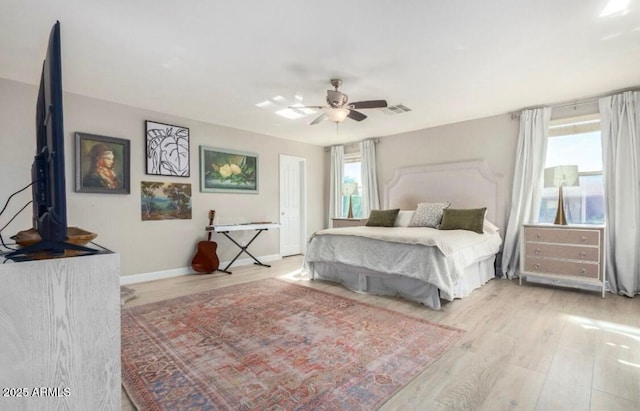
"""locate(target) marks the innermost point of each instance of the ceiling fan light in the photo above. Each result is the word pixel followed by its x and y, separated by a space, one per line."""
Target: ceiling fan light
pixel 338 114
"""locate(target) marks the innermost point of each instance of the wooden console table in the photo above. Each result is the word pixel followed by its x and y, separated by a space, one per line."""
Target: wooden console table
pixel 226 229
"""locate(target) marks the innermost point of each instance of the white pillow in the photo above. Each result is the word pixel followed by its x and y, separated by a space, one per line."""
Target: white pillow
pixel 404 218
pixel 428 215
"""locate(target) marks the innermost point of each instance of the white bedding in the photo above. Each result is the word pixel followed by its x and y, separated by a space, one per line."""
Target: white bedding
pixel 437 257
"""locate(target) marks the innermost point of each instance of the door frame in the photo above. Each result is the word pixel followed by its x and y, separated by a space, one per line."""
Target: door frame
pixel 303 199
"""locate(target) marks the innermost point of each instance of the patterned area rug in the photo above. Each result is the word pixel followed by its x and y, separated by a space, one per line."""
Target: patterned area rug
pixel 272 345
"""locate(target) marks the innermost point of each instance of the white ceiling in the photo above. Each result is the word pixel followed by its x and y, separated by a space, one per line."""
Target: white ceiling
pixel 214 61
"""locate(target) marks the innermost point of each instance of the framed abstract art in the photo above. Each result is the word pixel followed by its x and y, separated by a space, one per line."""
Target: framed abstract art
pixel 167 149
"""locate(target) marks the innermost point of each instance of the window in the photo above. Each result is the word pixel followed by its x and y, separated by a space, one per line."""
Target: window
pixel 352 184
pixel 576 141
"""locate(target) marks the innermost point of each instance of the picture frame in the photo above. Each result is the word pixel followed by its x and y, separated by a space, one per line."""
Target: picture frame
pixel 165 201
pixel 228 171
pixel 102 164
pixel 167 149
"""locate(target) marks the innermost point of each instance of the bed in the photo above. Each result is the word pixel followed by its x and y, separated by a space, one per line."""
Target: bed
pixel 422 264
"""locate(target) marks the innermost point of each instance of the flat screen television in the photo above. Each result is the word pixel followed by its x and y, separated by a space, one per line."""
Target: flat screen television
pixel 48 170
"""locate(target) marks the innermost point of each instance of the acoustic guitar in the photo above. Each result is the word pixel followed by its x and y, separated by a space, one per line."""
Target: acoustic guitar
pixel 206 260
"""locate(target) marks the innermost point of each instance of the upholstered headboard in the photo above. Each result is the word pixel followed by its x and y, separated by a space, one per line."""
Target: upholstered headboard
pixel 465 184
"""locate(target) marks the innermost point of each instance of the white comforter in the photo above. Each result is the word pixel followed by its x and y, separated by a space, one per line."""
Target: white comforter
pixel 434 256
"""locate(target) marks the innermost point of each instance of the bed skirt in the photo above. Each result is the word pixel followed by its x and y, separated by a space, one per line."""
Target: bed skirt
pixel 365 281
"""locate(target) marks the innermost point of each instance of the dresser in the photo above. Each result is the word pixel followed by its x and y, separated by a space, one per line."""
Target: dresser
pixel 567 255
pixel 348 222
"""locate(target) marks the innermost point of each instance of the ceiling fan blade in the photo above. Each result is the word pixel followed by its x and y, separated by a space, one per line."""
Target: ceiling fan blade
pixel 369 104
pixel 356 115
pixel 318 119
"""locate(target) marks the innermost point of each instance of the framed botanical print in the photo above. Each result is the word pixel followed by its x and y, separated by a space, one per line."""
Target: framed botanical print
pixel 102 164
pixel 228 171
pixel 167 149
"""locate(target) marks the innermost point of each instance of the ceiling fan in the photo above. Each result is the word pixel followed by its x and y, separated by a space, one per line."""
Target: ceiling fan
pixel 339 108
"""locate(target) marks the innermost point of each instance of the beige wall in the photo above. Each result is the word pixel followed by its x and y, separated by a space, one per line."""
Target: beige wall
pixel 493 139
pixel 148 246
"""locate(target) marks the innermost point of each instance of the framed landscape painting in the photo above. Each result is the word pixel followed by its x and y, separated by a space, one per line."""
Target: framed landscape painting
pixel 228 171
pixel 102 164
pixel 167 149
pixel 165 201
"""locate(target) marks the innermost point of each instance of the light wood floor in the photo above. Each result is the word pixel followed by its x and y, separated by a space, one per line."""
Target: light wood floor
pixel 526 347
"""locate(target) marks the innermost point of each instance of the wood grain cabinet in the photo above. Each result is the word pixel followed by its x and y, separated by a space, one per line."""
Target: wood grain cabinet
pixel 569 254
pixel 60 334
pixel 348 222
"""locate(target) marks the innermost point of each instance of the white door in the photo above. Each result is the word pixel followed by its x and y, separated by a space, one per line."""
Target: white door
pixel 292 205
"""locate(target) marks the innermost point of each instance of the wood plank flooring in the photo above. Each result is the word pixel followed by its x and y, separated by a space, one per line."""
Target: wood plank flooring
pixel 528 347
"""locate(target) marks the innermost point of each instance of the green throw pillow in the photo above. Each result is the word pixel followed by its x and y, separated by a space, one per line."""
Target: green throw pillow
pixel 382 218
pixel 471 219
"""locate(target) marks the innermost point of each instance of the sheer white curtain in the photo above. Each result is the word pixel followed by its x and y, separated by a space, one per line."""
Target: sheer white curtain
pixel 335 185
pixel 527 182
pixel 370 198
pixel 620 122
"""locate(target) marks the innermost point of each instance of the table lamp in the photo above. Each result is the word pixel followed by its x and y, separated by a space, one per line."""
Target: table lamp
pixel 349 189
pixel 561 176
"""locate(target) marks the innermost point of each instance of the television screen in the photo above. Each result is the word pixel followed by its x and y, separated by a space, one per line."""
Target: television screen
pixel 48 169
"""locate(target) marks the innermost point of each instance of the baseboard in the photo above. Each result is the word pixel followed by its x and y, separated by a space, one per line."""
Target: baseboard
pixel 177 272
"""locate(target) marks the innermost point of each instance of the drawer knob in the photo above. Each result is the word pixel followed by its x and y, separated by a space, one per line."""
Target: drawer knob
pixel 583 270
pixel 536 266
pixel 537 251
pixel 583 255
pixel 583 239
pixel 538 236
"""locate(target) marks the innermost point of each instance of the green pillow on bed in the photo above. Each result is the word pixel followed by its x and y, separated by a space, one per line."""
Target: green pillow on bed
pixel 382 218
pixel 471 219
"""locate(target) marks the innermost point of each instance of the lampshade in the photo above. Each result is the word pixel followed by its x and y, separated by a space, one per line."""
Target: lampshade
pixel 349 189
pixel 338 114
pixel 561 176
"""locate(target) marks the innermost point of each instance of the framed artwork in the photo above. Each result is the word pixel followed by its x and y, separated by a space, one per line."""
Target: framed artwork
pixel 102 164
pixel 165 201
pixel 167 149
pixel 228 171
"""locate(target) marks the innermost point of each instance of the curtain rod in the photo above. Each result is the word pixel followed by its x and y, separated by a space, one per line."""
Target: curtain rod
pixel 375 141
pixel 574 103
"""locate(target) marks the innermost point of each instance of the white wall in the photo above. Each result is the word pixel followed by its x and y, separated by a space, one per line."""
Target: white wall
pixel 148 246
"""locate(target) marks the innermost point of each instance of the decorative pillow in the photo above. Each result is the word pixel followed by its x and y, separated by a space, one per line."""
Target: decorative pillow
pixel 382 218
pixel 404 218
pixel 471 219
pixel 428 215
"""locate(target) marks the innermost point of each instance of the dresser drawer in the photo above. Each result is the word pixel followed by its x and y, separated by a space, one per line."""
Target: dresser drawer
pixel 548 266
pixel 567 252
pixel 562 236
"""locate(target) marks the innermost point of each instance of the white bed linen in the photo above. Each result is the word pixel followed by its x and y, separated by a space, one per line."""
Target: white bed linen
pixel 363 281
pixel 436 257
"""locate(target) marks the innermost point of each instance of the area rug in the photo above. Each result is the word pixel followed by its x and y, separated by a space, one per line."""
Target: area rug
pixel 272 345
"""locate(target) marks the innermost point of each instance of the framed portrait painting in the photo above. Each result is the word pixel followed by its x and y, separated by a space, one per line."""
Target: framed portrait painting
pixel 228 171
pixel 102 164
pixel 167 149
